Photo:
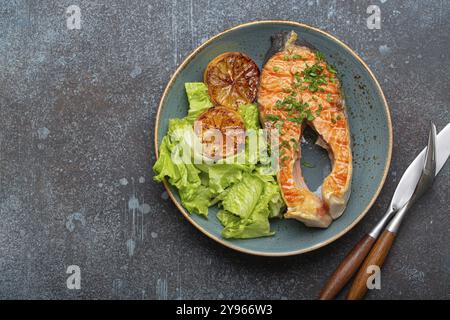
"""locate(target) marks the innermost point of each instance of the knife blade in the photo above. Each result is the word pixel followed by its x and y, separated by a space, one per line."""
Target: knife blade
pixel 408 181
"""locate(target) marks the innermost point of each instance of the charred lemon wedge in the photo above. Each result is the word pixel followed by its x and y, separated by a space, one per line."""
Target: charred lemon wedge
pixel 221 131
pixel 232 79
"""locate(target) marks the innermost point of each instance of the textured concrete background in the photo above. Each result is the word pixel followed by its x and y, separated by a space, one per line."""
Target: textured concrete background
pixel 77 109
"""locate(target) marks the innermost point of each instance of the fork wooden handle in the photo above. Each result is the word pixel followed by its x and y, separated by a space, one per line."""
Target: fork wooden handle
pixel 347 268
pixel 376 257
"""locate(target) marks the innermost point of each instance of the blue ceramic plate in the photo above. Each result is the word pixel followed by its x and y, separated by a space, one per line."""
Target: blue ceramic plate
pixel 370 126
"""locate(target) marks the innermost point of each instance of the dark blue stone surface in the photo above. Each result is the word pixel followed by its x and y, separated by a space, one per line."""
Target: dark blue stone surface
pixel 77 110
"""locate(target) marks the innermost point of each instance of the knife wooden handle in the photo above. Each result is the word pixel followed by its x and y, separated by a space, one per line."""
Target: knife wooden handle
pixel 377 256
pixel 347 268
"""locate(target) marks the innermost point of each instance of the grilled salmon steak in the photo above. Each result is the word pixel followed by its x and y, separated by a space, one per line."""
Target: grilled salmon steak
pixel 298 88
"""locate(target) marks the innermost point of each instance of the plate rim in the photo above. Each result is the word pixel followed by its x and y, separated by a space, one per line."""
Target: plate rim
pixel 325 242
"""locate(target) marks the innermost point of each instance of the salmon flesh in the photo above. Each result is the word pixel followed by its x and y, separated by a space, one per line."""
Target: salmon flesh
pixel 298 88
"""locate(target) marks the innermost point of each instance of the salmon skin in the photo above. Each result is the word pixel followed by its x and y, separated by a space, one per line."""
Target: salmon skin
pixel 298 88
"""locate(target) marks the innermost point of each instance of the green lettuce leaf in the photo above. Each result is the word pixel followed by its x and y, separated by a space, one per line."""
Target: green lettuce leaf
pixel 256 146
pixel 276 205
pixel 243 196
pixel 170 165
pixel 221 176
pixel 164 166
pixel 250 116
pixel 197 94
pixel 197 201
pixel 248 205
pixel 272 190
pixel 243 229
pixel 179 170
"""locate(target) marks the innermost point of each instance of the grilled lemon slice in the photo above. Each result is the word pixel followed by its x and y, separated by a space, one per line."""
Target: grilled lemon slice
pixel 232 79
pixel 221 131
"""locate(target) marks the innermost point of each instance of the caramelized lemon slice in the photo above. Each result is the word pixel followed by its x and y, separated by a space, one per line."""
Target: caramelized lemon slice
pixel 232 79
pixel 221 131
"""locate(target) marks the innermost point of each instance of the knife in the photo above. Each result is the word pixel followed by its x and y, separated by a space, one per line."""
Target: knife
pixel 402 194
